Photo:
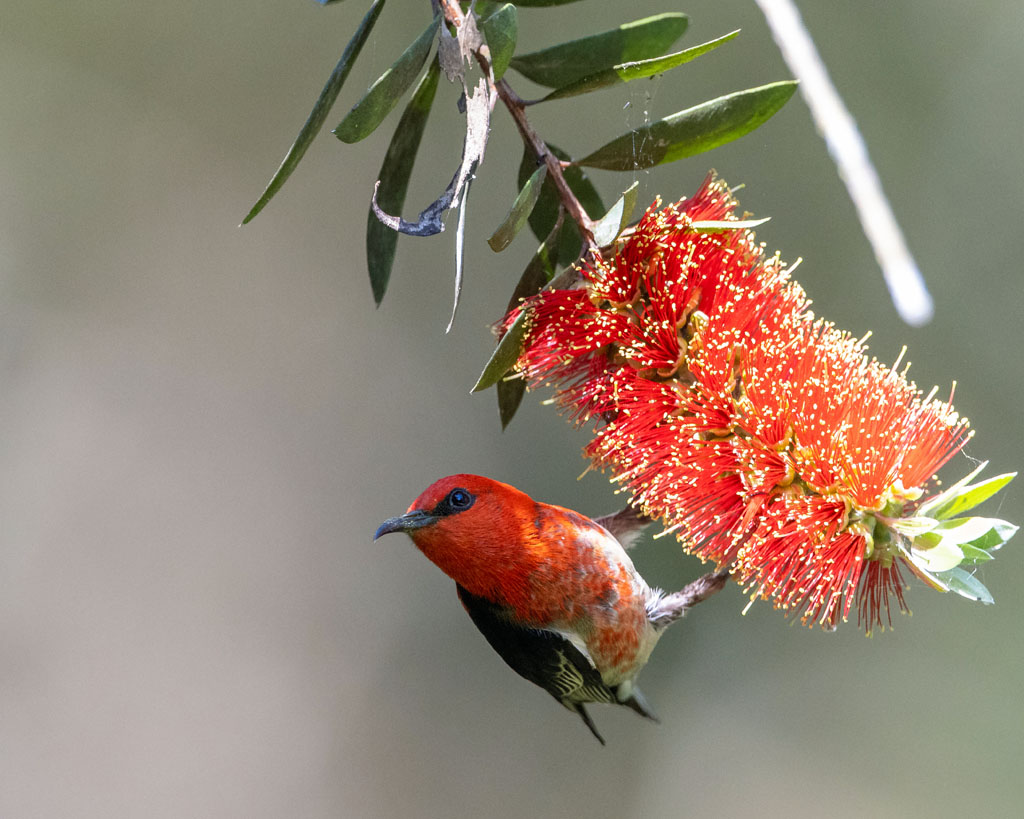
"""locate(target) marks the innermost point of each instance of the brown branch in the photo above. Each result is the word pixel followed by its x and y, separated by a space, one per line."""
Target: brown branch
pixel 517 109
pixel 452 11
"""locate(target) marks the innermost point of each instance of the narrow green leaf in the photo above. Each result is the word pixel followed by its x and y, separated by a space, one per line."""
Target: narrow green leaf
pixel 520 211
pixel 505 354
pixel 996 537
pixel 501 30
pixel 485 8
pixel 713 226
pixel 915 565
pixel 640 69
pixel 956 579
pixel 568 62
pixel 321 109
pixel 394 181
pixel 539 271
pixel 966 585
pixel 933 503
pixel 610 225
pixel 923 574
pixel 959 499
pixel 977 531
pixel 914 527
pixel 387 89
pixel 938 558
pixel 541 268
pixel 973 555
pixel 510 396
pixel 692 131
pixel 545 212
pixel 536 274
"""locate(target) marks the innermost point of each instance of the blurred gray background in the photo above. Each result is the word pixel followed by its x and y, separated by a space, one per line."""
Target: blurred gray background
pixel 201 426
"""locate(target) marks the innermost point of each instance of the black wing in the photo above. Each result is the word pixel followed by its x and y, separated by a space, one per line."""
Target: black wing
pixel 543 657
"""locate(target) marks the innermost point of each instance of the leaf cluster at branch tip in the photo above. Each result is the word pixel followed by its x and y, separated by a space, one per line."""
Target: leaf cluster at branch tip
pixel 488 34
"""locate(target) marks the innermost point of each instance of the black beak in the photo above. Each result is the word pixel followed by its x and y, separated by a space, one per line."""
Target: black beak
pixel 405 523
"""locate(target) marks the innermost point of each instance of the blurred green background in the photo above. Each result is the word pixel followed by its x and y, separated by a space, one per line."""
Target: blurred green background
pixel 202 426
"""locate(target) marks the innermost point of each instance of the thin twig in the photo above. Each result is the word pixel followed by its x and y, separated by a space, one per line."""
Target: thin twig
pixel 517 109
pixel 836 124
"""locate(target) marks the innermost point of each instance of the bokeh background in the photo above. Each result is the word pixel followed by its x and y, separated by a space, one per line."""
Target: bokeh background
pixel 202 425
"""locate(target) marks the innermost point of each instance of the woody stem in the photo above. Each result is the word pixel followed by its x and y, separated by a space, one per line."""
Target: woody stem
pixel 517 109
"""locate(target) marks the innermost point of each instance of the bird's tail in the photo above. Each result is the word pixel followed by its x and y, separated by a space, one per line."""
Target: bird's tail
pixel 668 608
pixel 637 702
pixel 579 709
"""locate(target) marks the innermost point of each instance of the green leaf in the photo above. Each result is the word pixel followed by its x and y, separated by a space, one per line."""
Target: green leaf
pixel 985 533
pixel 960 497
pixel 951 542
pixel 321 109
pixel 954 579
pixel 966 585
pixel 510 396
pixel 565 63
pixel 914 527
pixel 501 30
pixel 381 240
pixel 923 574
pixel 976 531
pixel 520 211
pixel 610 225
pixel 943 555
pixel 974 555
pixel 505 354
pixel 539 271
pixel 627 72
pixel 387 89
pixel 931 504
pixel 545 212
pixel 996 537
pixel 692 131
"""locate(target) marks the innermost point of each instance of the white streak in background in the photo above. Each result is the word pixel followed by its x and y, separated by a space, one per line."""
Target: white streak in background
pixel 845 144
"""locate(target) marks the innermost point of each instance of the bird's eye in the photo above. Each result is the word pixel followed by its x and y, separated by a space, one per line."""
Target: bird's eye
pixel 460 499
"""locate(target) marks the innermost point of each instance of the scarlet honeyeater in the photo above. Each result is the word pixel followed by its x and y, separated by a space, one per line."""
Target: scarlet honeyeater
pixel 765 438
pixel 553 591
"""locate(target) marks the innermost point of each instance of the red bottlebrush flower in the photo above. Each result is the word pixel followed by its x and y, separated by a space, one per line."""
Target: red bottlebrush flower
pixel 765 439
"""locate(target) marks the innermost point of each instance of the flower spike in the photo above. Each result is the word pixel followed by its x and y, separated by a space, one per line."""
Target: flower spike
pixel 764 438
